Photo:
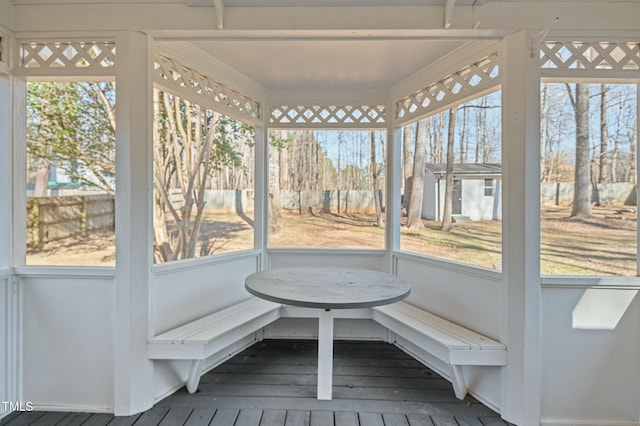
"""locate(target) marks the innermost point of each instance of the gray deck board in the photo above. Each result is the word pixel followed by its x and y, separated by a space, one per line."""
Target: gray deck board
pixel 343 418
pixel 74 419
pixel 101 419
pixel 371 419
pixel 395 419
pixel 297 418
pixel 273 417
pixel 200 417
pixel 273 383
pixel 416 419
pixel 176 416
pixel 123 420
pixel 321 418
pixel 249 418
pixel 225 417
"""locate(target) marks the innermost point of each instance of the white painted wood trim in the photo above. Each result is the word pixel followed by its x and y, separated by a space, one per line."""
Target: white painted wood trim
pixel 133 372
pixel 19 168
pixel 584 282
pixel 449 265
pixel 97 272
pixel 261 190
pixel 11 332
pixel 468 53
pixel 6 167
pixel 202 262
pixel 339 252
pixel 521 379
pixel 394 184
pixel 190 55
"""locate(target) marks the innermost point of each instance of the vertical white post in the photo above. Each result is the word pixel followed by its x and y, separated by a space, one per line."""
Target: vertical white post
pixel 8 297
pixel 261 188
pixel 393 185
pixel 325 354
pixel 133 380
pixel 521 384
pixel 19 173
pixel 6 154
pixel 636 176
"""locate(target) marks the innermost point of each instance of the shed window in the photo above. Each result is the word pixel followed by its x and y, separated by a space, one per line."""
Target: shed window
pixel 488 187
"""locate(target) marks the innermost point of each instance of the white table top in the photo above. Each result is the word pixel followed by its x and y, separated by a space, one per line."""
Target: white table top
pixel 327 287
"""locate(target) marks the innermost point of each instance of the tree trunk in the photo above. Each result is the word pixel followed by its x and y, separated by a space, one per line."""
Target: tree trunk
pixel 582 187
pixel 447 214
pixel 414 214
pixel 406 167
pixel 604 172
pixel 275 203
pixel 42 178
pixel 374 181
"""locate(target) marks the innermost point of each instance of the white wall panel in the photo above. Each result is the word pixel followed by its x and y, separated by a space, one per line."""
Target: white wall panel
pixel 8 348
pixel 591 374
pixel 182 294
pixel 342 258
pixel 68 342
pixel 466 295
pixel 186 290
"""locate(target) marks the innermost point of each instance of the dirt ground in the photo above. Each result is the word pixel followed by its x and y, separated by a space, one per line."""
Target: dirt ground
pixel 604 244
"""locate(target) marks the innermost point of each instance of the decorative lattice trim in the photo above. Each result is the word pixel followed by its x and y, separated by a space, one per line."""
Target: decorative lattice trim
pixel 573 55
pixel 173 73
pixel 328 115
pixel 474 78
pixel 78 54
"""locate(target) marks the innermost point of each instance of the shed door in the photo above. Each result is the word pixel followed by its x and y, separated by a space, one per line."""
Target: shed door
pixel 457 197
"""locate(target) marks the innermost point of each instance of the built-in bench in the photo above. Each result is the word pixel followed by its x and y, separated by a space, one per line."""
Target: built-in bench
pixel 204 337
pixel 449 342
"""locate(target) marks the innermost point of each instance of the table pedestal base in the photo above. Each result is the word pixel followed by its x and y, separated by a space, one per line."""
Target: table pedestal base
pixel 325 354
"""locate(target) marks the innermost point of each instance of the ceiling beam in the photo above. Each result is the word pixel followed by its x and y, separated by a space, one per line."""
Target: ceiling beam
pixel 219 13
pixel 219 9
pixel 448 12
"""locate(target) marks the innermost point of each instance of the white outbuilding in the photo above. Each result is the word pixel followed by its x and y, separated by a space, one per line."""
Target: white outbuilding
pixel 476 193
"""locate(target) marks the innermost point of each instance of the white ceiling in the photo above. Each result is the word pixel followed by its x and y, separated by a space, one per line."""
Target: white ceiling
pixel 327 64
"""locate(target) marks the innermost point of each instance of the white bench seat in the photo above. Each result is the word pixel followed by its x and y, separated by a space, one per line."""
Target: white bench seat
pixel 449 342
pixel 199 339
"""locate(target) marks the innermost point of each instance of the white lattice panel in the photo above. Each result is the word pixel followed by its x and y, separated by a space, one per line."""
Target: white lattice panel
pixel 580 55
pixel 77 54
pixel 475 78
pixel 329 116
pixel 173 73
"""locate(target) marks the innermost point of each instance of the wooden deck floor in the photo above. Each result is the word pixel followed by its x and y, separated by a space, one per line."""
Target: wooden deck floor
pixel 274 383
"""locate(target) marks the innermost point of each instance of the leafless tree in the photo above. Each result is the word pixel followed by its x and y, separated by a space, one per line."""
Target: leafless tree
pixel 582 186
pixel 414 214
pixel 447 215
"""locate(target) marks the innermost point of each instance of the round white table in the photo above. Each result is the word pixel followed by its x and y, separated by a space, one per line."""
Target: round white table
pixel 327 288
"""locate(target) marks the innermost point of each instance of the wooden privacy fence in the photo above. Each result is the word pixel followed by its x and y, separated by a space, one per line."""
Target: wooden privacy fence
pixel 56 218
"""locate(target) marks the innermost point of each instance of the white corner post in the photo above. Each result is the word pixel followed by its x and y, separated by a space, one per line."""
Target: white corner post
pixel 9 297
pixel 6 154
pixel 521 381
pixel 261 189
pixel 133 372
pixel 393 185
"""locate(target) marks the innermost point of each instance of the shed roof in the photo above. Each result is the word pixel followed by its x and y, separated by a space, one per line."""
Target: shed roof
pixel 466 169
